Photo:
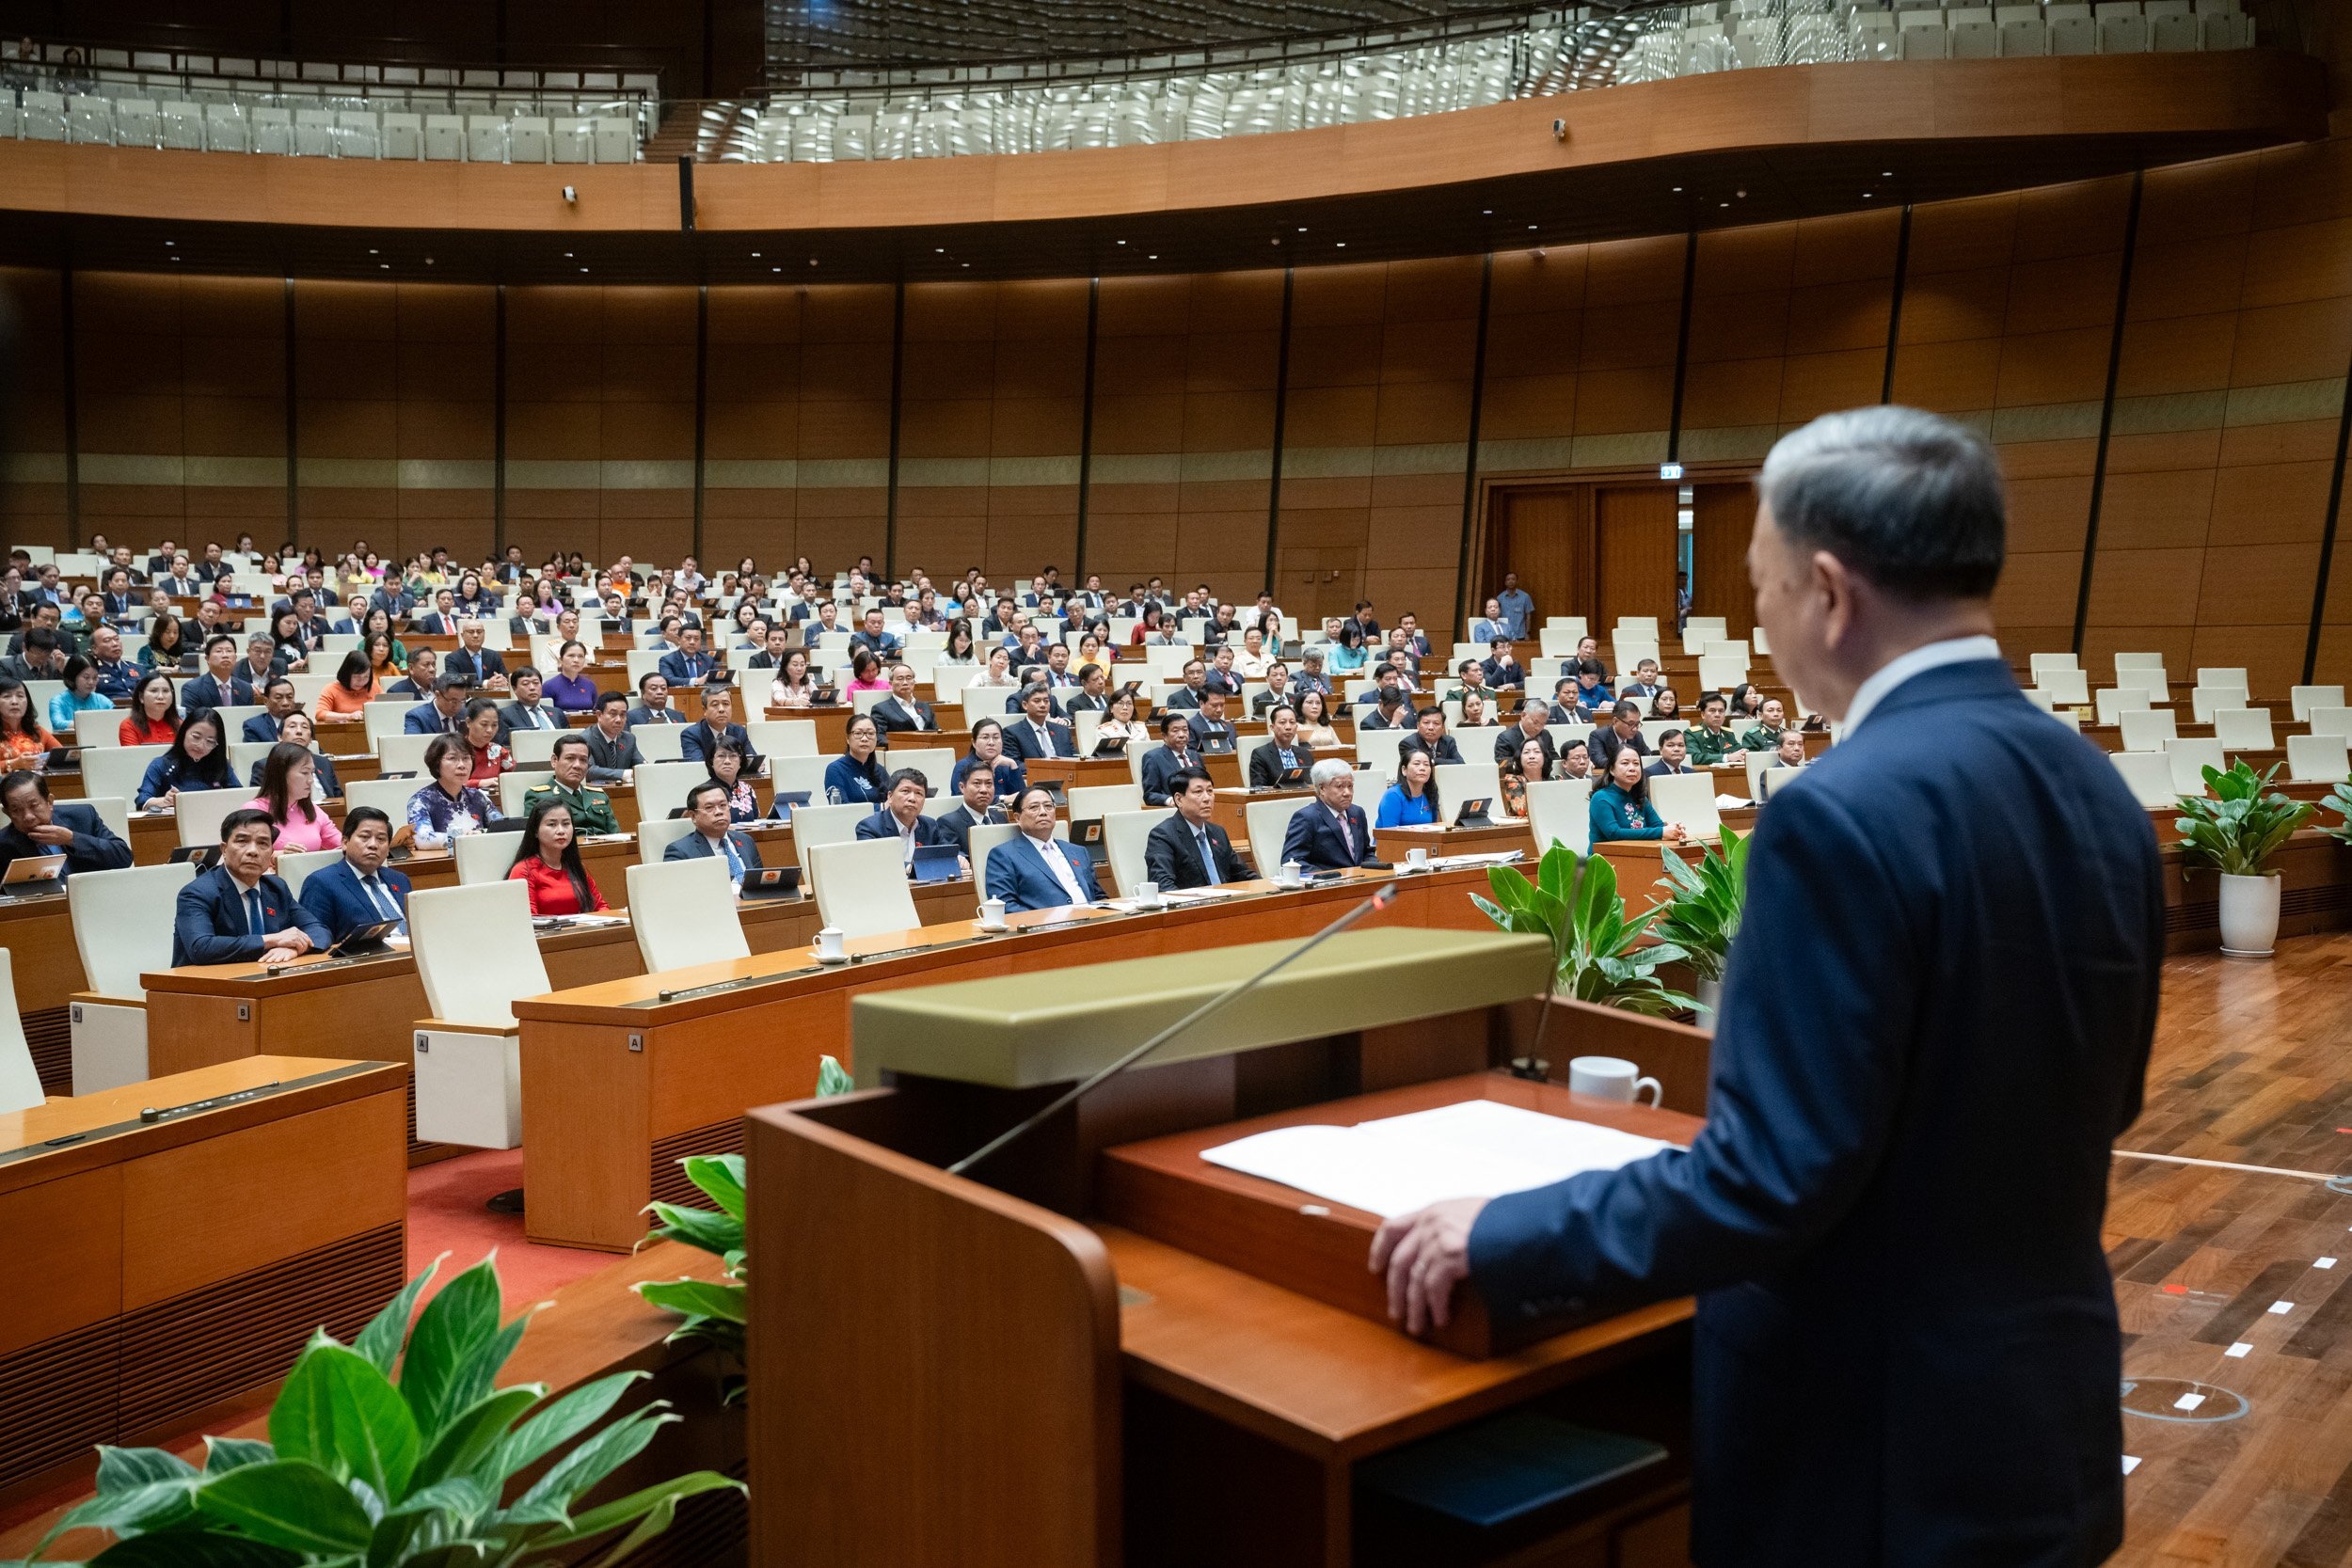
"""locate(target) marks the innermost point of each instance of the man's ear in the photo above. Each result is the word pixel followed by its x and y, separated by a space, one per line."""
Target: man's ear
pixel 1833 586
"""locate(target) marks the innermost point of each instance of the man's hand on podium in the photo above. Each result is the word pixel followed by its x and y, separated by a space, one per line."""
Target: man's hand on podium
pixel 1425 1254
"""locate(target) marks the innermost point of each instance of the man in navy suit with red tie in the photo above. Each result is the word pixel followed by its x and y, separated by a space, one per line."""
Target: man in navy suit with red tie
pixel 1934 1025
pixel 238 912
pixel 1330 832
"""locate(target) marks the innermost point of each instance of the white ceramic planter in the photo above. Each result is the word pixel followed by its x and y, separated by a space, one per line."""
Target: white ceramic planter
pixel 1710 999
pixel 2249 915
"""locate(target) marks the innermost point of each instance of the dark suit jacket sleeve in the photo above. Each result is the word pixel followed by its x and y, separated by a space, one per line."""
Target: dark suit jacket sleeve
pixel 881 825
pixel 94 846
pixel 1263 768
pixel 1826 972
pixel 298 914
pixel 322 896
pixel 1297 837
pixel 1164 859
pixel 689 744
pixel 197 930
pixel 1157 769
pixel 746 847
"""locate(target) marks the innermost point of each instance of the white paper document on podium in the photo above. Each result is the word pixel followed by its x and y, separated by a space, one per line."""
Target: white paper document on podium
pixel 1476 1149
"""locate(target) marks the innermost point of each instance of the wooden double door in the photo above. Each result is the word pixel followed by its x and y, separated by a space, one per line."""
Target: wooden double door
pixel 1607 550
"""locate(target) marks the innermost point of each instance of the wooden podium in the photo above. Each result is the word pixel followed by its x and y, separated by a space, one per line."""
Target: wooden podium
pixel 1106 1350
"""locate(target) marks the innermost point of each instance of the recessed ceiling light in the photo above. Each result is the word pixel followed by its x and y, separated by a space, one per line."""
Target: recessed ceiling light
pixel 754 255
pixel 1486 212
pixel 168 244
pixel 567 256
pixel 812 261
pixel 1886 174
pixel 1342 244
pixel 428 261
pixel 1866 195
pixel 775 269
pixel 372 252
pixel 583 269
pixel 942 250
pixel 1153 256
pixel 387 266
pixel 1724 204
pixel 1677 190
pixel 1302 229
pixel 1531 226
pixel 967 266
pixel 1741 195
pixel 1122 241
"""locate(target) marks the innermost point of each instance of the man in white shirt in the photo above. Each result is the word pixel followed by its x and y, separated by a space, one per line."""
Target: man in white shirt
pixel 1036 870
pixel 902 816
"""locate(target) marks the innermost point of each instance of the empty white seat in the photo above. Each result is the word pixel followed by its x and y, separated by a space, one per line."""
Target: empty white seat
pixel 44 116
pixel 661 743
pixel 2303 699
pixel 445 138
pixel 683 912
pixel 615 141
pixel 2173 28
pixel 783 737
pixel 295 866
pixel 2222 674
pixel 90 119
pixel 527 140
pixel 2024 32
pixel 485 140
pixel 2122 29
pixel 315 133
pixel 1124 833
pixel 20 1081
pixel 356 133
pixel 272 130
pixel 2150 776
pixel 862 887
pixel 1689 799
pixel 1874 35
pixel 182 125
pixel 483 857
pixel 476 955
pixel 2071 28
pixel 1970 33
pixel 137 123
pixel 1922 35
pixel 403 137
pixel 2323 718
pixel 122 928
pixel 2065 687
pixel 1559 810
pixel 2243 729
pixel 2223 26
pixel 225 129
pixel 571 139
pixel 662 788
pixel 822 823
pixel 2190 756
pixel 199 813
pixel 2148 729
pixel 2316 758
pixel 2205 701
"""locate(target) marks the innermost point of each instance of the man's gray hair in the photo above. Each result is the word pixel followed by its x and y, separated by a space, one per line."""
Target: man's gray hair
pixel 1909 499
pixel 1327 770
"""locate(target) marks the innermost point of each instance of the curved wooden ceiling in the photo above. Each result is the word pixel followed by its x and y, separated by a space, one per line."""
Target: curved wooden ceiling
pixel 1736 147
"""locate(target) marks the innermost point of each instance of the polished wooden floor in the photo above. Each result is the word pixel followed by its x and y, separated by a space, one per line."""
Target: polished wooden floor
pixel 2233 1272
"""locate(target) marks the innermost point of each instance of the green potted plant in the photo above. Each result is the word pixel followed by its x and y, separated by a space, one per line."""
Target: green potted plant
pixel 397 1450
pixel 2235 829
pixel 717 1311
pixel 1702 911
pixel 1599 955
pixel 2341 803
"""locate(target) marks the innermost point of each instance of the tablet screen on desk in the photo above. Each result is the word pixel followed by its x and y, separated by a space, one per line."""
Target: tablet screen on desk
pixel 32 874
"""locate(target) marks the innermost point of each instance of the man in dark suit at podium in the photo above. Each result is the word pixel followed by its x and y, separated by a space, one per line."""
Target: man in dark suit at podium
pixel 1330 832
pixel 1934 1024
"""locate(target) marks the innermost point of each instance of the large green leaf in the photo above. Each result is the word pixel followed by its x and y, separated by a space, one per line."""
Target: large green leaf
pixel 454 1326
pixel 832 1078
pixel 474 1434
pixel 290 1503
pixel 229 1453
pixel 193 1549
pixel 120 1469
pixel 698 1227
pixel 381 1339
pixel 598 1456
pixel 721 1178
pixel 652 1507
pixel 697 1298
pixel 302 1422
pixel 562 1422
pixel 375 1436
pixel 129 1511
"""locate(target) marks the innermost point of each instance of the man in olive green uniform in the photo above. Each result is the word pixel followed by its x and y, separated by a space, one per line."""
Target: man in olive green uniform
pixel 1711 745
pixel 592 809
pixel 1770 721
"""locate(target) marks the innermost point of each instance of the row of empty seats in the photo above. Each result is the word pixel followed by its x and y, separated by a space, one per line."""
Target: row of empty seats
pixel 320 133
pixel 1552 55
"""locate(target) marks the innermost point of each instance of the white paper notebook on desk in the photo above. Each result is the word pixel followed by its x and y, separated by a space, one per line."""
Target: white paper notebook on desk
pixel 1393 1165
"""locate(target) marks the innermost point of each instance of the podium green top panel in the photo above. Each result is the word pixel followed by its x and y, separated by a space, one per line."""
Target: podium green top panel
pixel 1018 1031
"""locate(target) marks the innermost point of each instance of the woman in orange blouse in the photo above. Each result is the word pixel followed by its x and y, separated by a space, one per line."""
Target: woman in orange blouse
pixel 154 715
pixel 349 692
pixel 24 742
pixel 548 863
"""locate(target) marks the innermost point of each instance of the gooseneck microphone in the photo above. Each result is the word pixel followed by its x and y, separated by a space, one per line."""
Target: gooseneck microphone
pixel 1379 900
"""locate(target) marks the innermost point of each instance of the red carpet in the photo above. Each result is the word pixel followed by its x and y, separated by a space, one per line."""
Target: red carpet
pixel 446 1214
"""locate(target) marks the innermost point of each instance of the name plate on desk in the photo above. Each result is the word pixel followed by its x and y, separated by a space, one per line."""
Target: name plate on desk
pixel 1012 1033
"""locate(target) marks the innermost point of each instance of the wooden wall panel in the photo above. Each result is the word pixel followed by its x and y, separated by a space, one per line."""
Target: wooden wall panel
pixel 1634 545
pixel 446 413
pixel 751 425
pixel 1723 518
pixel 32 410
pixel 842 467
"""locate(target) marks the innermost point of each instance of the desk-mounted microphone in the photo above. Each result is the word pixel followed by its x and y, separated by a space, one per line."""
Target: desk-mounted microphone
pixel 1379 900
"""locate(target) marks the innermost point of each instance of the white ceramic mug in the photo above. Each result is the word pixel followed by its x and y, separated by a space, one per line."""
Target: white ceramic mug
pixel 831 943
pixel 1290 874
pixel 1147 894
pixel 1416 859
pixel 992 914
pixel 1611 1078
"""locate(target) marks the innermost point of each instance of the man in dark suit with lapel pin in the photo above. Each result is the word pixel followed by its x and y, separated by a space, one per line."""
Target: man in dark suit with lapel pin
pixel 278 699
pixel 38 827
pixel 1188 849
pixel 1934 1025
pixel 359 889
pixel 219 685
pixel 701 739
pixel 1330 832
pixel 901 712
pixel 979 809
pixel 1038 734
pixel 240 911
pixel 714 836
